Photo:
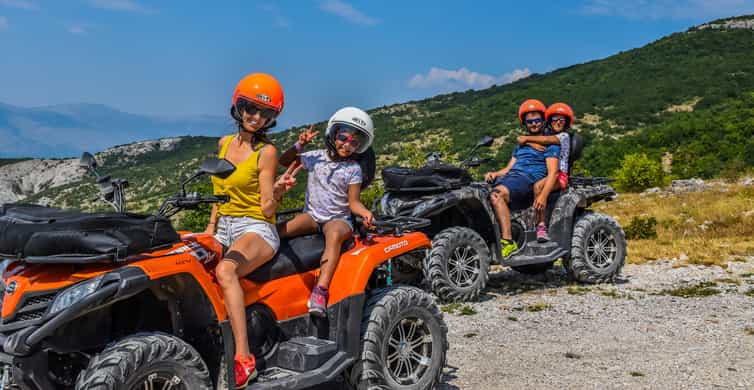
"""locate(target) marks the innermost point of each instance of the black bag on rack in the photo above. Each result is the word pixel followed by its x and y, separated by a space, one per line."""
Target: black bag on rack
pixel 432 178
pixel 50 235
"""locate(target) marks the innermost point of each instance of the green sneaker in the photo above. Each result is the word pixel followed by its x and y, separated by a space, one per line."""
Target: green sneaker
pixel 509 246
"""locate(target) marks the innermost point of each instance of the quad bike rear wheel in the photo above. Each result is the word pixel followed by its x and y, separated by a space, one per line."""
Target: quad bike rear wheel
pixel 146 361
pixel 404 342
pixel 459 264
pixel 598 249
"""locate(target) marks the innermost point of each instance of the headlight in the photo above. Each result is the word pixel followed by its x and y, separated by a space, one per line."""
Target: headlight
pixel 75 293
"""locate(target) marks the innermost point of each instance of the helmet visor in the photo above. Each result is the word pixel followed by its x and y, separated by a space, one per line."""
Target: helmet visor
pixel 350 135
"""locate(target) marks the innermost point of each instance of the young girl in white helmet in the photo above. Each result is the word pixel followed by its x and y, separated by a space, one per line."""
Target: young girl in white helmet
pixel 333 192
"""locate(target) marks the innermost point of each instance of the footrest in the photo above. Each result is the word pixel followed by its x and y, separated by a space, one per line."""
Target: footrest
pixel 273 374
pixel 540 248
pixel 305 353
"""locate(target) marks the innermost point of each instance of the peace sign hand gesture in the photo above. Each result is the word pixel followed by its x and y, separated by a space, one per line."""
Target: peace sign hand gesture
pixel 287 180
pixel 307 136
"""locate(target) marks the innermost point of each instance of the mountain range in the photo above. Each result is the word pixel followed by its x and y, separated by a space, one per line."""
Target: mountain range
pixel 686 99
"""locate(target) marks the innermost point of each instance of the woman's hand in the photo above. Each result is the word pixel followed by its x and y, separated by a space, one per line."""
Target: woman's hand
pixel 490 177
pixel 286 181
pixel 307 136
pixel 210 229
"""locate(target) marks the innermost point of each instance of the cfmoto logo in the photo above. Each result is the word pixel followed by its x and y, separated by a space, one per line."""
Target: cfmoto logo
pixel 359 121
pixel 11 288
pixel 263 97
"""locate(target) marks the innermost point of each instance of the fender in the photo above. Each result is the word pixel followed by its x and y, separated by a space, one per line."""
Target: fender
pixel 356 266
pixel 563 217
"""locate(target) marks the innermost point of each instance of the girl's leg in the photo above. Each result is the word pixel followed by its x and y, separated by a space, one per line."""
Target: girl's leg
pixel 540 214
pixel 299 225
pixel 247 253
pixel 336 232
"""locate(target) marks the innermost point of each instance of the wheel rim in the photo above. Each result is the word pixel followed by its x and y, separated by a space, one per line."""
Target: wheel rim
pixel 601 248
pixel 463 266
pixel 159 380
pixel 408 355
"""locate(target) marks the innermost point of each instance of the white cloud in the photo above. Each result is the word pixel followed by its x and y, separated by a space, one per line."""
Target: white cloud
pixel 277 16
pixel 668 9
pixel 463 79
pixel 77 29
pixel 3 23
pixel 347 12
pixel 119 5
pixel 23 4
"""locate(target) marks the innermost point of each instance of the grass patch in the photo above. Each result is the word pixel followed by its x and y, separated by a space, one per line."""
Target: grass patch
pixel 470 335
pixel 450 308
pixel 700 290
pixel 577 290
pixel 749 331
pixel 467 311
pixel 750 293
pixel 729 281
pixel 747 275
pixel 512 318
pixel 637 373
pixel 709 227
pixel 539 306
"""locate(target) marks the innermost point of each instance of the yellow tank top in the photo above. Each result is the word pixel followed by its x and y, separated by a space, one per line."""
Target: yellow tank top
pixel 242 186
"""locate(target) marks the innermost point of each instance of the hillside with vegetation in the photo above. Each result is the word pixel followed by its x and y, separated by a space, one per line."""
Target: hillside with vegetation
pixel 685 101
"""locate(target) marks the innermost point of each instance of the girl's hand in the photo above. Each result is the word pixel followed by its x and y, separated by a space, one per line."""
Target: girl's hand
pixel 287 180
pixel 540 202
pixel 522 140
pixel 537 147
pixel 368 218
pixel 490 176
pixel 307 136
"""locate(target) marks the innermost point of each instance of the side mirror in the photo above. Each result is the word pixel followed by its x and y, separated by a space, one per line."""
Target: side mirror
pixel 87 161
pixel 485 141
pixel 221 168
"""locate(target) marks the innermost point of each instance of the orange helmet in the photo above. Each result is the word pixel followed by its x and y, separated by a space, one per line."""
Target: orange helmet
pixel 560 109
pixel 260 89
pixel 530 105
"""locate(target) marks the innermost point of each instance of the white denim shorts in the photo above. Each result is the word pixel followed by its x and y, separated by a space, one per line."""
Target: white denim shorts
pixel 229 229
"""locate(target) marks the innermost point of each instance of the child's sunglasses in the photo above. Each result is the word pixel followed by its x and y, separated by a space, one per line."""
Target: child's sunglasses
pixel 533 121
pixel 243 105
pixel 558 120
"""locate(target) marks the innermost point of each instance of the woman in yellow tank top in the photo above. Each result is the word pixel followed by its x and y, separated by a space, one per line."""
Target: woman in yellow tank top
pixel 246 223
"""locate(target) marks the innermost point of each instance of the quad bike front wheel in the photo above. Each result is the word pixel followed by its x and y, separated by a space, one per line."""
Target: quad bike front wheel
pixel 458 266
pixel 598 249
pixel 146 361
pixel 403 342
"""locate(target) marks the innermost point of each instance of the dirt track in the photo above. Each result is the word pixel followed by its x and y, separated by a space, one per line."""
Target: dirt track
pixel 543 333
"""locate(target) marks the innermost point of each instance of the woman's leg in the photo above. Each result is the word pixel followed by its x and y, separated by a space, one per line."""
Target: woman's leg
pixel 336 232
pixel 299 225
pixel 247 253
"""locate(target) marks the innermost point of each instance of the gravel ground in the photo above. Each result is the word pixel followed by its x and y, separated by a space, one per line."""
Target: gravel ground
pixel 542 332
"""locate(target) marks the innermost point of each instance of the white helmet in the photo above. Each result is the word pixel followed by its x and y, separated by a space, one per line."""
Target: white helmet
pixel 354 118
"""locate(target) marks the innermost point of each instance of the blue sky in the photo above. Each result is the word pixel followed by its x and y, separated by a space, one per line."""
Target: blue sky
pixel 184 57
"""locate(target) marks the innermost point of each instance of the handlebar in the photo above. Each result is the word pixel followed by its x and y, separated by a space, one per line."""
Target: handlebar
pixel 176 203
pixel 397 225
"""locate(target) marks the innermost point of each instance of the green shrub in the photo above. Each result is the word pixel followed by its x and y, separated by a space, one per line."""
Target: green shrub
pixel 638 172
pixel 641 228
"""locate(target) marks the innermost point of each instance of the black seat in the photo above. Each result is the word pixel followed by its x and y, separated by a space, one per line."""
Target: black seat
pixel 296 255
pixel 576 147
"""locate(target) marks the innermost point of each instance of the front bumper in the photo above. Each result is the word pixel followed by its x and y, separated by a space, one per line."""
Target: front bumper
pixel 24 372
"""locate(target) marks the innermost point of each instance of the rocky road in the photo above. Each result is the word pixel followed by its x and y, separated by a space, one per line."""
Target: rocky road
pixel 660 327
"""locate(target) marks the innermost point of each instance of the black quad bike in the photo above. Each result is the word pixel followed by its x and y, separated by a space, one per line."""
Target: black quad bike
pixel 121 301
pixel 466 235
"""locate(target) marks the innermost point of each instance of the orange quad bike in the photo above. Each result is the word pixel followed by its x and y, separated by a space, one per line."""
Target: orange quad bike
pixel 116 300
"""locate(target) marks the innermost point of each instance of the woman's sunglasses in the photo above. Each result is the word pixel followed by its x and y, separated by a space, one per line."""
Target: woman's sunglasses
pixel 243 105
